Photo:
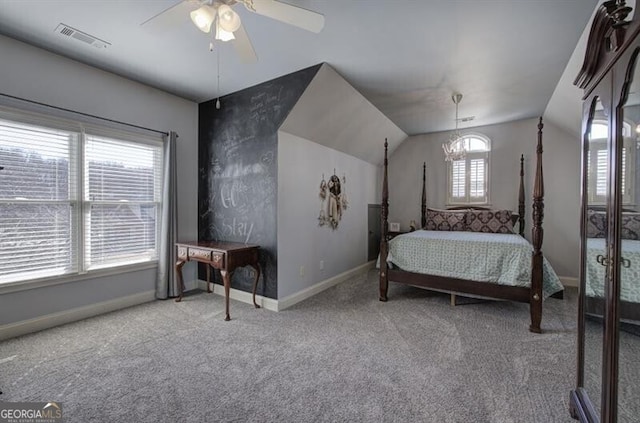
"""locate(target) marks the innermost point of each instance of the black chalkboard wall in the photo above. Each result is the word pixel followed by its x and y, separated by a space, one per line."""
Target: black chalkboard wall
pixel 238 170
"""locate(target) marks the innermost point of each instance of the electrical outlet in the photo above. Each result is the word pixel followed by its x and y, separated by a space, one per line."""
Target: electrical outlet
pixel 321 264
pixel 302 271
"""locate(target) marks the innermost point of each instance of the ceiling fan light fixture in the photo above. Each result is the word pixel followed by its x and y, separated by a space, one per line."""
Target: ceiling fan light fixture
pixel 229 20
pixel 223 35
pixel 203 18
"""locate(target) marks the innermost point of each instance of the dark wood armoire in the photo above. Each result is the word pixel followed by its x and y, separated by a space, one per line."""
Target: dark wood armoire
pixel 608 361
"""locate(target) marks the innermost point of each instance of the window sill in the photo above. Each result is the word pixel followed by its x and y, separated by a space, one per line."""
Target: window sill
pixel 487 205
pixel 59 280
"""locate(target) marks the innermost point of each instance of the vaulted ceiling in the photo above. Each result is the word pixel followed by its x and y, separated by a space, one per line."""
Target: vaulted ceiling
pixel 406 57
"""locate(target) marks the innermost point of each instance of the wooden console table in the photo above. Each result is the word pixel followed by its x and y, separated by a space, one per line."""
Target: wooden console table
pixel 224 256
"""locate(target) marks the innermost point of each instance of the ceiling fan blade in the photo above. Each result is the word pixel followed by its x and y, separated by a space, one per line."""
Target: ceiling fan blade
pixel 287 13
pixel 171 17
pixel 243 46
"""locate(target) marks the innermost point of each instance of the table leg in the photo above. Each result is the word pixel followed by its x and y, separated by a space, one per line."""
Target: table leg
pixel 208 277
pixel 226 278
pixel 179 265
pixel 255 283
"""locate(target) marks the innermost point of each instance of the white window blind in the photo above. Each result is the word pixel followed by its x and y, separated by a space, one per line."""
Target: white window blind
pixel 598 169
pixel 458 176
pixel 624 169
pixel 601 173
pixel 38 207
pixel 477 179
pixel 123 182
pixel 589 177
pixel 72 201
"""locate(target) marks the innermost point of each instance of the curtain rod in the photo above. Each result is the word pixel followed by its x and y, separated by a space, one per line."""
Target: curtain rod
pixel 84 114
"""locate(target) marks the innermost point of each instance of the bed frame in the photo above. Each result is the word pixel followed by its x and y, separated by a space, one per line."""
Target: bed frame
pixel 531 295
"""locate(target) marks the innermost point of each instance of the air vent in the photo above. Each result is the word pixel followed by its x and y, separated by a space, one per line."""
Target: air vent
pixel 70 32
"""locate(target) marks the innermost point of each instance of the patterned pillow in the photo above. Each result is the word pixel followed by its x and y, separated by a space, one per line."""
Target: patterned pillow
pixel 445 220
pixel 630 226
pixel 596 224
pixel 491 221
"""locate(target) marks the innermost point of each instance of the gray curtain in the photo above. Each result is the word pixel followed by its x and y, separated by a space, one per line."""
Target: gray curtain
pixel 166 283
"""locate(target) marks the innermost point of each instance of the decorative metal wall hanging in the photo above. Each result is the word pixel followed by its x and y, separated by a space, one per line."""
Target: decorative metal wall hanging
pixel 333 200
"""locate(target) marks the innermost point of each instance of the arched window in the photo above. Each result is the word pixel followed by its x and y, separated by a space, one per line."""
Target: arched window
pixel 468 178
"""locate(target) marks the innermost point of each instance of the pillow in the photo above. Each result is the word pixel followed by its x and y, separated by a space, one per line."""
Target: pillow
pixel 596 224
pixel 445 220
pixel 491 221
pixel 630 226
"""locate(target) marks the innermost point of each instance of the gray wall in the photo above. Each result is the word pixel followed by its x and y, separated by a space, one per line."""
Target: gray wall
pixel 301 242
pixel 561 161
pixel 35 74
pixel 331 127
pixel 333 113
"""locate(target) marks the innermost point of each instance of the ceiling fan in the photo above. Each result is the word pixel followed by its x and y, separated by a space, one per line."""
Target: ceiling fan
pixel 218 18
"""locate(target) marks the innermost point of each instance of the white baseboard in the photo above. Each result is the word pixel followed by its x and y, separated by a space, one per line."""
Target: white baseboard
pixel 292 299
pixel 242 296
pixel 568 281
pixel 47 321
pixel 281 304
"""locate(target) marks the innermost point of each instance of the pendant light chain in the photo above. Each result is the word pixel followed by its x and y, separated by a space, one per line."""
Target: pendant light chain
pixel 218 89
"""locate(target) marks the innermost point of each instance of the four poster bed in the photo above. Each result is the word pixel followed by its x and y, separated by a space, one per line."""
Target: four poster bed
pixel 472 251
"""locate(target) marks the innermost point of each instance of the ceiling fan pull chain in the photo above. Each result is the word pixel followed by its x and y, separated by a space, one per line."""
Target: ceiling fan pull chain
pixel 218 89
pixel 213 40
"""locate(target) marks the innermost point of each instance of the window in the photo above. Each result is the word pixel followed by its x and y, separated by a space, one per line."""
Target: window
pixel 468 179
pixel 75 198
pixel 597 164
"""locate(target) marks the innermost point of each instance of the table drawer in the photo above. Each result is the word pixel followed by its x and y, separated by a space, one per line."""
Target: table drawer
pixel 198 253
pixel 217 259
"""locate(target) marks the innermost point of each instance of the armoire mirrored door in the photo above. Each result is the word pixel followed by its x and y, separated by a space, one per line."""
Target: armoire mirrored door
pixel 626 241
pixel 594 272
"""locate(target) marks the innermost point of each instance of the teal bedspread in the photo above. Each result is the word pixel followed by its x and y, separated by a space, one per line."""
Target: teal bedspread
pixel 629 276
pixel 496 258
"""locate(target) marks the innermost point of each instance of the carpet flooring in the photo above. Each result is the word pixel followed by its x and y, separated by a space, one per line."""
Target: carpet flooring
pixel 341 356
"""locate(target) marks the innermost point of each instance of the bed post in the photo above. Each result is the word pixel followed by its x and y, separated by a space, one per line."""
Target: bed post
pixel 423 206
pixel 535 299
pixel 521 199
pixel 384 247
